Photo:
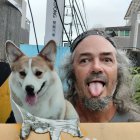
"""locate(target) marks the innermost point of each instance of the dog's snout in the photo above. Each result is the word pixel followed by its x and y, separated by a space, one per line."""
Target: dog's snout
pixel 29 89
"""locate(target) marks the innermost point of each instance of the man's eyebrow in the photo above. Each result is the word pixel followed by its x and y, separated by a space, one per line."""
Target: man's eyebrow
pixel 102 53
pixel 85 54
pixel 107 54
pixel 88 54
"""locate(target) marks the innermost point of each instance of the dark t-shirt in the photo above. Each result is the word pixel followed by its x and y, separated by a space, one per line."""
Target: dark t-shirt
pixel 126 117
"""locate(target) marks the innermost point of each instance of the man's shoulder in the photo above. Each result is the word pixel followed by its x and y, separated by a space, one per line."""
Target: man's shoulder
pixel 130 116
pixel 119 117
pixel 134 116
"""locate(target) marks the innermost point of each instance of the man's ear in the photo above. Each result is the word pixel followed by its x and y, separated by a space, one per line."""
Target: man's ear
pixel 13 53
pixel 49 51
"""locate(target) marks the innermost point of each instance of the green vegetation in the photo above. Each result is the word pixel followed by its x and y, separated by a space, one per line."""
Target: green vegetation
pixel 135 70
pixel 136 84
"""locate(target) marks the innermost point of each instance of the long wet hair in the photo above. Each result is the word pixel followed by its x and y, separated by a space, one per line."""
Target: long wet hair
pixel 123 93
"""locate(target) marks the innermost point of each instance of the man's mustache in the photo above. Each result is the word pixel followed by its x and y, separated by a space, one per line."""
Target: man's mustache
pixel 96 75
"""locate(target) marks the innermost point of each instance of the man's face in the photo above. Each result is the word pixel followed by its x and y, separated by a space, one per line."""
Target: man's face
pixel 95 68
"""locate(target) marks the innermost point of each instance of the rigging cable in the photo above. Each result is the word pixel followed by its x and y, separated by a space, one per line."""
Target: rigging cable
pixel 76 25
pixel 78 18
pixel 80 15
pixel 85 13
pixel 62 21
pixel 72 19
pixel 33 25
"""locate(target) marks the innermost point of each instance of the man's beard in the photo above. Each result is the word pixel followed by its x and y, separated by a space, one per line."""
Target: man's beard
pixel 97 104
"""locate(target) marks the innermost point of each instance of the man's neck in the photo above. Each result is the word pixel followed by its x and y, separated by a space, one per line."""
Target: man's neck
pixel 87 115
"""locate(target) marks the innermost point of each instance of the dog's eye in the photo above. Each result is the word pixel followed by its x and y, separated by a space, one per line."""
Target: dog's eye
pixel 38 73
pixel 22 73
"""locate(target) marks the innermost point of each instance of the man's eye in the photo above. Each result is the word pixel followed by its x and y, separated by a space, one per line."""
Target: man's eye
pixel 107 59
pixel 84 60
pixel 38 73
pixel 22 73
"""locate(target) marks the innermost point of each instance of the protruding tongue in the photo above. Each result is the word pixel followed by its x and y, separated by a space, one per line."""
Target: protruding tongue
pixel 95 88
pixel 31 100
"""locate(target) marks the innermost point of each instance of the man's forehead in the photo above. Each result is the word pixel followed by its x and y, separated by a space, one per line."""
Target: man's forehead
pixel 94 47
pixel 94 44
pixel 95 41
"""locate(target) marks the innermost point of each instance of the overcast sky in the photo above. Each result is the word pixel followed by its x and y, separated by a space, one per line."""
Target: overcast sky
pixel 104 13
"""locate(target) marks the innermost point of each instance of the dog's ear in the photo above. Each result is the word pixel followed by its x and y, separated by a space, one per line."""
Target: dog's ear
pixel 12 51
pixel 49 51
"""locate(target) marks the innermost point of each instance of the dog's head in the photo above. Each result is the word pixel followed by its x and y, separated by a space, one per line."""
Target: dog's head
pixel 32 74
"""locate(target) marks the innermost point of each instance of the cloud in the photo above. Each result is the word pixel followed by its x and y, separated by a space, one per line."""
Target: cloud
pixel 99 12
pixel 106 12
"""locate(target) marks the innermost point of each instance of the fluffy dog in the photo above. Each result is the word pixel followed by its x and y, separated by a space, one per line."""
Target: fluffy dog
pixel 36 86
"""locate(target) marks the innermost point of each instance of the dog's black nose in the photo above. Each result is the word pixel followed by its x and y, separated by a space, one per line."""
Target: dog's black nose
pixel 29 89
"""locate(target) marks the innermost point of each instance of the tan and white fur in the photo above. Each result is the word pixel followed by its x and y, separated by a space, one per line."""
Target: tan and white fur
pixel 36 86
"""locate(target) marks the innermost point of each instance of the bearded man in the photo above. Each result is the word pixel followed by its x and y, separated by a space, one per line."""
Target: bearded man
pixel 99 80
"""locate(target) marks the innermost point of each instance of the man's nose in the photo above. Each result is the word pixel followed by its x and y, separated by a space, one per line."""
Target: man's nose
pixel 96 66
